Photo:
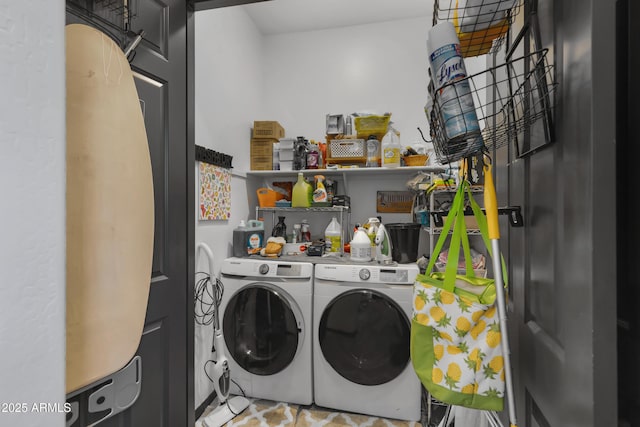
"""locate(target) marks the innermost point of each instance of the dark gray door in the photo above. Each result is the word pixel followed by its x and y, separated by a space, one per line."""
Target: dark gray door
pixel 562 312
pixel 166 347
pixel 628 113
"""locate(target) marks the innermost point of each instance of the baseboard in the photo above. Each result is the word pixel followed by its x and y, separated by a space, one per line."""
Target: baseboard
pixel 204 404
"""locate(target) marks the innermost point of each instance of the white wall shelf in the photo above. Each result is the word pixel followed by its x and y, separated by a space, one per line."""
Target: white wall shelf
pixel 349 172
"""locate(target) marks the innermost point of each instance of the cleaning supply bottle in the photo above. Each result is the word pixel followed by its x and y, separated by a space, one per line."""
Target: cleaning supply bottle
pixel 383 246
pixel 302 193
pixel 391 149
pixel 360 246
pixel 333 236
pixel 239 240
pixel 371 228
pixel 372 150
pixel 320 193
pixel 248 238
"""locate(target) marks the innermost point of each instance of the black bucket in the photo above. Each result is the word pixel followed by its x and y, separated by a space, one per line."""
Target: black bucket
pixel 404 241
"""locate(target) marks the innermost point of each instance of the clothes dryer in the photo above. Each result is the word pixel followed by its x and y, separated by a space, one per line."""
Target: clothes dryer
pixel 361 340
pixel 266 313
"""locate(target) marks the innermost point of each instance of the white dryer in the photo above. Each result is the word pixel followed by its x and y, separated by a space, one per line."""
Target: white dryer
pixel 361 340
pixel 266 322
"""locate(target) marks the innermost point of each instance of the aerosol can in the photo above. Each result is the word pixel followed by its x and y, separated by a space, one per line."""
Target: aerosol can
pixel 383 246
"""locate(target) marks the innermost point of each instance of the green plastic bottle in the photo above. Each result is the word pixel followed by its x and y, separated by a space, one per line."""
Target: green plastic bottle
pixel 302 193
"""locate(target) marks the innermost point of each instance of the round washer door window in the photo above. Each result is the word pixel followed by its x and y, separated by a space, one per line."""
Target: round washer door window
pixel 261 329
pixel 364 335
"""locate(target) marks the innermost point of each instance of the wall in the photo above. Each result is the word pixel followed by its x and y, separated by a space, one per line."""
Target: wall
pixel 32 218
pixel 378 67
pixel 228 84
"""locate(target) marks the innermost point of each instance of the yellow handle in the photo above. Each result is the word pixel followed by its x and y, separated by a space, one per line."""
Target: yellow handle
pixel 490 204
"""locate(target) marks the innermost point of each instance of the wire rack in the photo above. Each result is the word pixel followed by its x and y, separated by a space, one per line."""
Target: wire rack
pixel 111 16
pixel 481 25
pixel 507 100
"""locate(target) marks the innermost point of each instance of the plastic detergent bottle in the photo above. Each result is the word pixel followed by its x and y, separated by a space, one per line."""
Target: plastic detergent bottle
pixel 302 193
pixel 333 236
pixel 320 193
pixel 360 246
pixel 391 149
pixel 248 238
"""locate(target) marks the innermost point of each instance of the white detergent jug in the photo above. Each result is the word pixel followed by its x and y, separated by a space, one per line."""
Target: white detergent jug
pixel 360 246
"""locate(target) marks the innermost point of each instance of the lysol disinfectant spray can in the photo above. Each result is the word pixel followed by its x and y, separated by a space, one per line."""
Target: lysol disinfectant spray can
pixel 452 91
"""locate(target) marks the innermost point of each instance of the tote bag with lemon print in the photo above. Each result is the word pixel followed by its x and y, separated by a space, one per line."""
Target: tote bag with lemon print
pixel 455 333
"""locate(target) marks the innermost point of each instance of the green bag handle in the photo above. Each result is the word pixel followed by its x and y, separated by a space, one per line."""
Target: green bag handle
pixel 459 237
pixel 457 200
pixel 459 229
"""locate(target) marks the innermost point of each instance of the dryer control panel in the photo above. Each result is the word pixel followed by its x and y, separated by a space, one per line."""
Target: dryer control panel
pixel 401 274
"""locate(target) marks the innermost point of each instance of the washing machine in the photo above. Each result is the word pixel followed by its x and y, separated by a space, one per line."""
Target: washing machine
pixel 361 340
pixel 266 313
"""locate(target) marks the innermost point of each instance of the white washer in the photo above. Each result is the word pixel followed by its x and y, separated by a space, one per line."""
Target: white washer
pixel 361 340
pixel 266 322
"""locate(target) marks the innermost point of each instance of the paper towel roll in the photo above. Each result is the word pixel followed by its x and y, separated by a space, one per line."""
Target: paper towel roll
pixel 452 90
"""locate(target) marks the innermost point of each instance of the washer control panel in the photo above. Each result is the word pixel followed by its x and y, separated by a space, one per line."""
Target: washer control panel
pixel 264 269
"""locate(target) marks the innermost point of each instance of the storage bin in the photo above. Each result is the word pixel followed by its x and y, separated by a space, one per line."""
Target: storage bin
pixel 346 148
pixel 404 241
pixel 267 197
pixel 372 125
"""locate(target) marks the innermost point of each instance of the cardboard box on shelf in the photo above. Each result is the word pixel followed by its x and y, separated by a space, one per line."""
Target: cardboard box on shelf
pixel 261 151
pixel 267 129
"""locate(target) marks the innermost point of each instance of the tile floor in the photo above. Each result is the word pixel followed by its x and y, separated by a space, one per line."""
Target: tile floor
pixel 265 413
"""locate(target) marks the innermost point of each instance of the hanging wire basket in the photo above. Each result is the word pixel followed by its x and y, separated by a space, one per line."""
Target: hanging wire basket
pixel 507 100
pixel 113 17
pixel 481 25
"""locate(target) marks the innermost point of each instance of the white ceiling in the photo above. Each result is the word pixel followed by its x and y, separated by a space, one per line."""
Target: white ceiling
pixel 286 16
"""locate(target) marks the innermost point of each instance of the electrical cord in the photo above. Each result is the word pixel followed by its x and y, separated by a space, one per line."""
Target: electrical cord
pixel 243 395
pixel 237 385
pixel 207 297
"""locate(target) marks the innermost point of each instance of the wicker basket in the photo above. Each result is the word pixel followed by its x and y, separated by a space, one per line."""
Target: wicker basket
pixel 416 160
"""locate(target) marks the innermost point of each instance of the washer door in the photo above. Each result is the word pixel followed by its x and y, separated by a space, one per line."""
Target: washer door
pixel 364 335
pixel 262 328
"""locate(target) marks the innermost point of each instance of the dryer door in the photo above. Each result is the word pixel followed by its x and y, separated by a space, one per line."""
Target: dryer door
pixel 364 335
pixel 263 328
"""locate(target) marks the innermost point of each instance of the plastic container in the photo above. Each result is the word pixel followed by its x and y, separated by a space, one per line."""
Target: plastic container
pixel 280 229
pixel 391 149
pixel 405 238
pixel 333 236
pixel 320 193
pixel 248 238
pixel 373 152
pixel 268 197
pixel 371 228
pixel 313 157
pixel 305 231
pixel 360 246
pixel 302 193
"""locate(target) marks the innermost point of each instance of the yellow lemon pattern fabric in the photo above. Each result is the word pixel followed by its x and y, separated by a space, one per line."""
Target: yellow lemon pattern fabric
pixel 467 350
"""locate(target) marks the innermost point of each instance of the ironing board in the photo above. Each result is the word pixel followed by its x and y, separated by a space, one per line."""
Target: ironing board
pixel 110 209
